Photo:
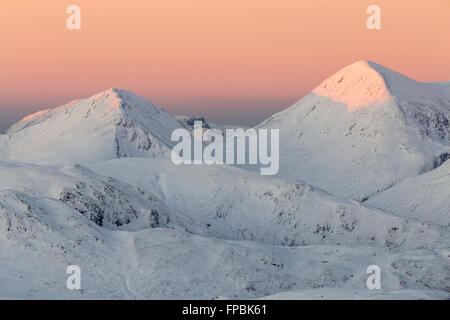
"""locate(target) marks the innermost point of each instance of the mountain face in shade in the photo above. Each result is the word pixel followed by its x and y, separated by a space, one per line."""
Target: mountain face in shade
pixel 112 124
pixel 424 197
pixel 364 129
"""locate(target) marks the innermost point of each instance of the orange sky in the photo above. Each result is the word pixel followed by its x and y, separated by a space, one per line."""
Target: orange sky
pixel 163 49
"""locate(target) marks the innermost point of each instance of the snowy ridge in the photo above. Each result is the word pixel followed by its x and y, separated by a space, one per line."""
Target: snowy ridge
pixel 425 197
pixel 364 175
pixel 245 206
pixel 105 201
pixel 112 124
pixel 363 130
pixel 42 233
pixel 358 85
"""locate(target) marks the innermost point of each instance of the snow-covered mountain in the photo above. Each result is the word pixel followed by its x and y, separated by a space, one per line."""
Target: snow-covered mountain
pixel 363 180
pixel 107 202
pixel 425 197
pixel 112 124
pixel 240 205
pixel 130 244
pixel 363 130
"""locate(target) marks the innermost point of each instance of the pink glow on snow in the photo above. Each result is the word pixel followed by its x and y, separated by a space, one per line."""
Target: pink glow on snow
pixel 42 112
pixel 357 85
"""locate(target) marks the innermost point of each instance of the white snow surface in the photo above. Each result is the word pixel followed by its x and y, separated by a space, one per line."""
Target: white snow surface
pixel 364 180
pixel 44 228
pixel 112 124
pixel 425 197
pixel 363 130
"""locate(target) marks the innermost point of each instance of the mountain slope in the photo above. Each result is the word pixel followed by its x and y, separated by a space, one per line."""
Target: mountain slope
pixel 49 220
pixel 112 124
pixel 141 227
pixel 107 202
pixel 425 197
pixel 241 205
pixel 363 130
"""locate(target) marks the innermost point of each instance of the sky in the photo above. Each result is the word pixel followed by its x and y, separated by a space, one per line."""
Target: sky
pixel 233 61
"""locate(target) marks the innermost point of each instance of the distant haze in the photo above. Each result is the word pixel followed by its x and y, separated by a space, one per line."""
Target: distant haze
pixel 204 48
pixel 239 111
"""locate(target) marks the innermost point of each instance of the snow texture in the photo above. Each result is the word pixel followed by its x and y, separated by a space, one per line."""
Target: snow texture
pixel 364 180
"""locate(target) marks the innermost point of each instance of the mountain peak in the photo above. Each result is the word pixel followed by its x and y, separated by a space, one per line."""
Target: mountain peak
pixel 359 123
pixel 109 103
pixel 359 84
pixel 366 83
pixel 111 124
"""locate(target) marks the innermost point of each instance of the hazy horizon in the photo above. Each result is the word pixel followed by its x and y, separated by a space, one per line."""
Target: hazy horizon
pixel 221 51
